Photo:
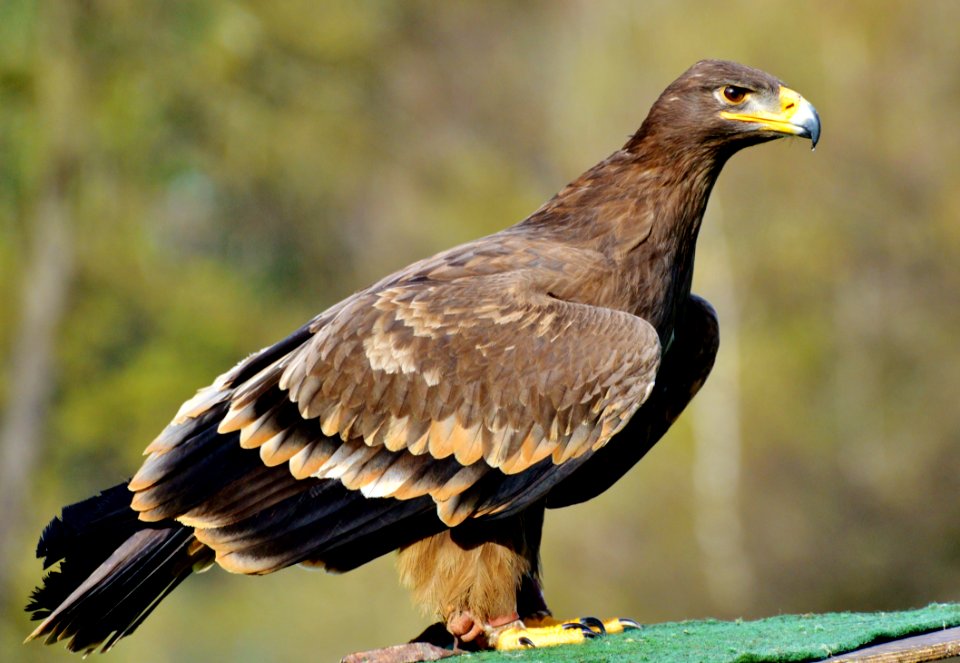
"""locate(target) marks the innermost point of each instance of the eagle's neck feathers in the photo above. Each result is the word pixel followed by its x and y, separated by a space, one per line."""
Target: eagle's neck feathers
pixel 642 209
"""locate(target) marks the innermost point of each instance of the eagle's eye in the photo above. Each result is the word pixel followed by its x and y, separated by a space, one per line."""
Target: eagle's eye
pixel 734 94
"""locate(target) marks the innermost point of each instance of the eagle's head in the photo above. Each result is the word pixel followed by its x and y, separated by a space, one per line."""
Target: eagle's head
pixel 725 106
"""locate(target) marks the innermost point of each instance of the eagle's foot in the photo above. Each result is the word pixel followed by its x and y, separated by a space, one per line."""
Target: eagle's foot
pixel 468 629
pixel 549 632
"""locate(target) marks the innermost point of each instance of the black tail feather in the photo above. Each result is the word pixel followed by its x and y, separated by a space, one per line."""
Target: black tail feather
pixel 86 532
pixel 114 570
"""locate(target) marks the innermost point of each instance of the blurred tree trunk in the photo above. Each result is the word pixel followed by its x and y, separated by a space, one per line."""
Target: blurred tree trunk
pixel 45 285
pixel 43 298
pixel 717 438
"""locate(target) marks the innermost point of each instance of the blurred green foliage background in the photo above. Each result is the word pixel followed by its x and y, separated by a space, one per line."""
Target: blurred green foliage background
pixel 183 182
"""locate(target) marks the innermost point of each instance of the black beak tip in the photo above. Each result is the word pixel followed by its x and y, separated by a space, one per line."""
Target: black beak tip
pixel 812 128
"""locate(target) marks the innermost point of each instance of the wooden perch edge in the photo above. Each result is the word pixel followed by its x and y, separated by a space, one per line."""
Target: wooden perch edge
pixel 935 646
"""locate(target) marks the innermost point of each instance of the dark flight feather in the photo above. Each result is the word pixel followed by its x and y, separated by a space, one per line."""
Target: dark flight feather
pixel 113 571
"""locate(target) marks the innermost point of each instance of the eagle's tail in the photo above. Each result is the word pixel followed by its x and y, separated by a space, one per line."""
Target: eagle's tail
pixel 114 570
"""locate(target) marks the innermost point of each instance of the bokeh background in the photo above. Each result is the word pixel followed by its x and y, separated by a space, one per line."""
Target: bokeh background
pixel 183 182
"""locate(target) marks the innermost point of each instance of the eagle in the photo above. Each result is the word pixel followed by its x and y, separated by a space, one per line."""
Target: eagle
pixel 440 411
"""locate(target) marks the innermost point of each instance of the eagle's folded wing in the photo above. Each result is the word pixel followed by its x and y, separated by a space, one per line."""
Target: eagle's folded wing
pixel 423 388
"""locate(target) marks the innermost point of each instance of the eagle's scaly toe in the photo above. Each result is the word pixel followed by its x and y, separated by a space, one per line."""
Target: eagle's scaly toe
pixel 549 632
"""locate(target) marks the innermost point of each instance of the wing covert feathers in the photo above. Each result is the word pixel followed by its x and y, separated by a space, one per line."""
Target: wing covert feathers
pixel 411 389
pixel 471 370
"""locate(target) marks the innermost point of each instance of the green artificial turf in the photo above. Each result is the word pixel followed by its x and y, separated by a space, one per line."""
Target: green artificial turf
pixel 784 638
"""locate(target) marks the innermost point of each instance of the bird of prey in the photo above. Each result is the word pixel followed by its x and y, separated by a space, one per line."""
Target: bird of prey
pixel 441 410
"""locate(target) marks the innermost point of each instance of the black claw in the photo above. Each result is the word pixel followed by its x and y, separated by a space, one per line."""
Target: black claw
pixel 594 624
pixel 526 642
pixel 584 629
pixel 629 623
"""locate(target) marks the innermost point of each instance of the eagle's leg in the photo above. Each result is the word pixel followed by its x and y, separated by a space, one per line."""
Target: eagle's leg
pixel 477 577
pixel 482 581
pixel 530 601
pixel 473 590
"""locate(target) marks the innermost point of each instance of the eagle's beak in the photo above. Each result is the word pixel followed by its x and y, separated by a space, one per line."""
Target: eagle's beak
pixel 796 116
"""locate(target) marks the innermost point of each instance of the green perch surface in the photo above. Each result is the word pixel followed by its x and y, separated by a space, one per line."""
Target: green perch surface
pixel 775 639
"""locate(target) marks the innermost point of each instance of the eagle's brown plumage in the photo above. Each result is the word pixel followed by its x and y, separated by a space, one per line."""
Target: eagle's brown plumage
pixel 442 409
